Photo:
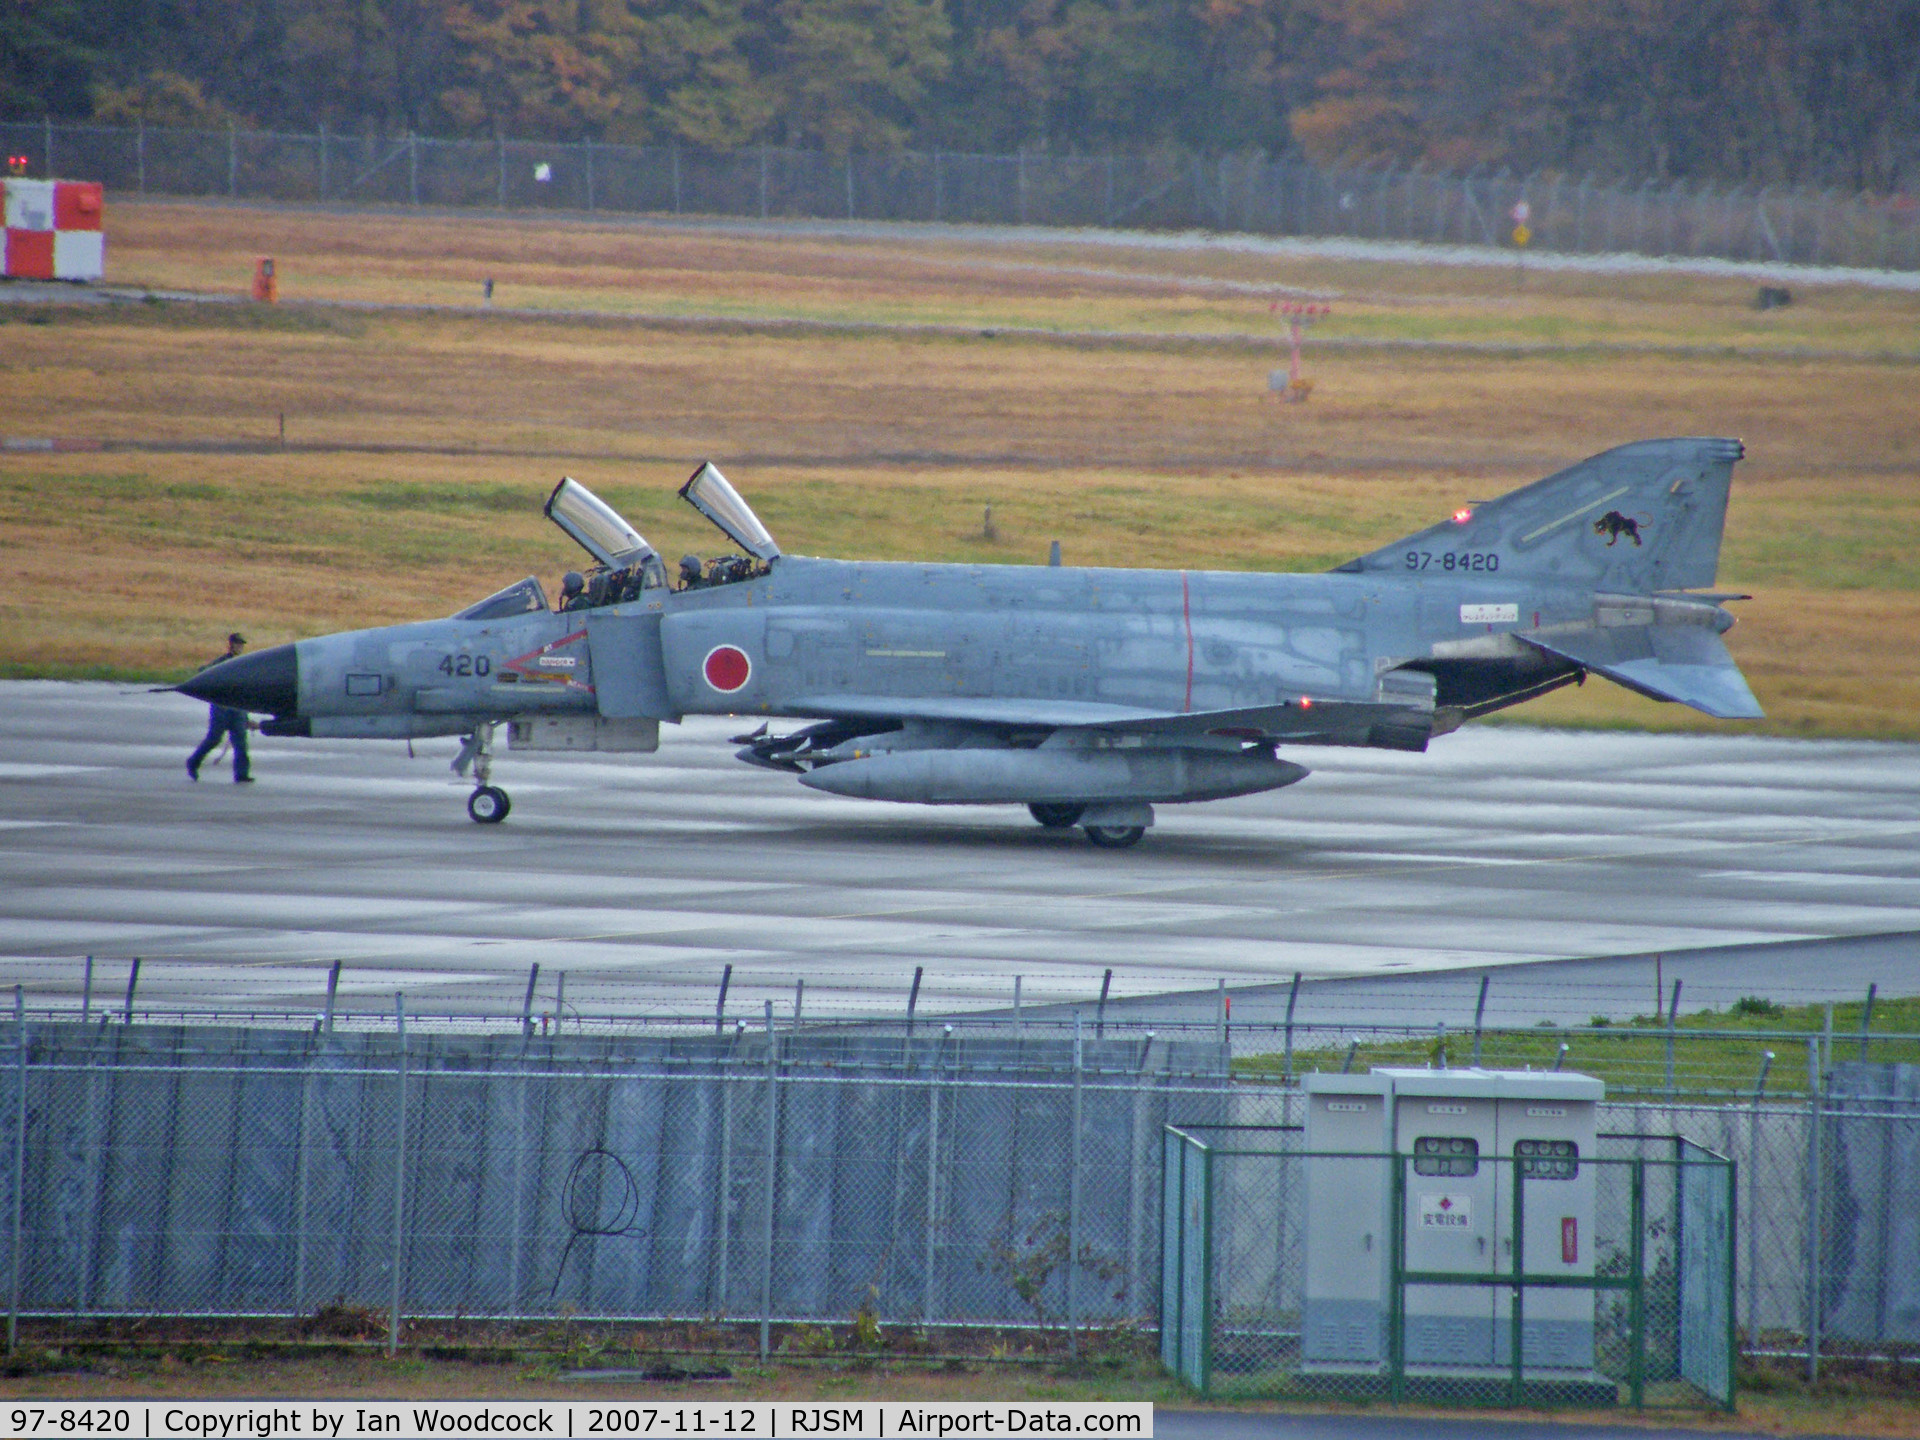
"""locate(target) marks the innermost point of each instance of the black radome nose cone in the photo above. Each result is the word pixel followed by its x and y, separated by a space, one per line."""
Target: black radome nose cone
pixel 267 682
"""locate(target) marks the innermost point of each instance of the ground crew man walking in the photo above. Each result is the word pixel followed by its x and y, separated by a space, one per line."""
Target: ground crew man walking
pixel 225 721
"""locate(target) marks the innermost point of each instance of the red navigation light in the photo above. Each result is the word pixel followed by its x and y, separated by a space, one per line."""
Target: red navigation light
pixel 1306 702
pixel 1462 515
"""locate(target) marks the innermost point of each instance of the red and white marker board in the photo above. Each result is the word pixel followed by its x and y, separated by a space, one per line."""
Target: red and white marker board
pixel 54 230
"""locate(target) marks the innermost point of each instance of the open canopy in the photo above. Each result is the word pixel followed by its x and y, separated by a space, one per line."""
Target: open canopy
pixel 710 494
pixel 596 525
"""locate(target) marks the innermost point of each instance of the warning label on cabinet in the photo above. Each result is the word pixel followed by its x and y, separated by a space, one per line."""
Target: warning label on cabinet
pixel 1446 1211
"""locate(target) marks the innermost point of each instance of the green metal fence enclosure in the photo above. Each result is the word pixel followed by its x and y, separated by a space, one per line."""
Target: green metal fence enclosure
pixel 1657 1266
pixel 1707 1338
pixel 1186 1220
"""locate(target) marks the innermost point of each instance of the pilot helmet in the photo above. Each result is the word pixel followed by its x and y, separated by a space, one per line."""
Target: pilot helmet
pixel 572 583
pixel 690 566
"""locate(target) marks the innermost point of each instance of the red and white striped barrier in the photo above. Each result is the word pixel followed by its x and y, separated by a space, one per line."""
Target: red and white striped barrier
pixel 54 230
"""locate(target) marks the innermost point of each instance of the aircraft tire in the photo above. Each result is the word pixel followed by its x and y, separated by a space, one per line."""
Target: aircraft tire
pixel 1115 837
pixel 488 805
pixel 1057 817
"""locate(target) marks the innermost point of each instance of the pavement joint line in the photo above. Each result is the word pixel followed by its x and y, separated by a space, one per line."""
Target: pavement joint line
pixel 719 923
pixel 1171 887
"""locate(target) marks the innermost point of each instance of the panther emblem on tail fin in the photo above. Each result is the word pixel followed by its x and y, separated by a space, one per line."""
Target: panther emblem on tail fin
pixel 1613 525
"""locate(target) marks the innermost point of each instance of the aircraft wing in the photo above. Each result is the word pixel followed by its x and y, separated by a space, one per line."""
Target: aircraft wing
pixel 1037 714
pixel 1321 722
pixel 1687 663
pixel 1329 722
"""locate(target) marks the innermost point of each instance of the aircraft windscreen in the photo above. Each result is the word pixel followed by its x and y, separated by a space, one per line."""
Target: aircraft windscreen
pixel 595 525
pixel 521 598
pixel 710 494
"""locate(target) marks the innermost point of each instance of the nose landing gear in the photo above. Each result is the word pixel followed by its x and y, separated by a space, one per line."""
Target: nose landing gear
pixel 488 804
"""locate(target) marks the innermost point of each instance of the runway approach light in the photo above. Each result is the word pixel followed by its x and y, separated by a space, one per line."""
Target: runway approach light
pixel 1290 384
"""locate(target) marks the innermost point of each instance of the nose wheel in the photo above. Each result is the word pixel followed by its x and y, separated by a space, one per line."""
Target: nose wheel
pixel 489 805
pixel 1115 837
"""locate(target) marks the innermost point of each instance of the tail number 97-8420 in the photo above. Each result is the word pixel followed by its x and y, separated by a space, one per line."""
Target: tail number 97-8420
pixel 1479 560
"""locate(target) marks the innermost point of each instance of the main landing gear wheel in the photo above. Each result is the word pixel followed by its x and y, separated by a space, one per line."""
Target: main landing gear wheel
pixel 1115 837
pixel 489 805
pixel 1056 817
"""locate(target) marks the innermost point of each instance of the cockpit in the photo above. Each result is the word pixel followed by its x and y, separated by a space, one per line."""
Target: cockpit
pixel 709 492
pixel 523 597
pixel 625 566
pixel 601 586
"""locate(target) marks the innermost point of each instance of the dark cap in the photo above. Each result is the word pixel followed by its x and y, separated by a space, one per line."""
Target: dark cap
pixel 236 638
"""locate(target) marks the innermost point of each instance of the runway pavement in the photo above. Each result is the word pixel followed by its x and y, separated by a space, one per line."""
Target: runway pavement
pixel 642 877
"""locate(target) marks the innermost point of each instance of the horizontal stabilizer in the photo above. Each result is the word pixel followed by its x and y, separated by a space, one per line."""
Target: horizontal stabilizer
pixel 1687 663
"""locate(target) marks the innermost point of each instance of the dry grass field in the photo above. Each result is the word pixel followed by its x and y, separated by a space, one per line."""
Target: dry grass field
pixel 420 443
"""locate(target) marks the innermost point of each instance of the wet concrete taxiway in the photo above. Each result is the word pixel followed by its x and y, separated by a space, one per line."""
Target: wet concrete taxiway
pixel 642 877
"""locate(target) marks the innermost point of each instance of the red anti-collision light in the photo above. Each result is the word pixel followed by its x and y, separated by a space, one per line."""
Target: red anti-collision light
pixel 727 668
pixel 1462 515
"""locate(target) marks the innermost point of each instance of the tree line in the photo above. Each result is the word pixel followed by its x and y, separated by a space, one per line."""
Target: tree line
pixel 1820 92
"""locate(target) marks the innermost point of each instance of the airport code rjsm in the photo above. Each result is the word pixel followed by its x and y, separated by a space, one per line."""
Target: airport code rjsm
pixel 229 1420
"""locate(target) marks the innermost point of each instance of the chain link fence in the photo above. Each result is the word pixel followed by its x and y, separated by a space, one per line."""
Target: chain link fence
pixel 779 1176
pixel 766 1176
pixel 1163 190
pixel 1667 1058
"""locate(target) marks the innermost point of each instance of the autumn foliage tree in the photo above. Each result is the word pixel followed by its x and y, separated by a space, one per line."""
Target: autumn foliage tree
pixel 855 74
pixel 536 67
pixel 1754 91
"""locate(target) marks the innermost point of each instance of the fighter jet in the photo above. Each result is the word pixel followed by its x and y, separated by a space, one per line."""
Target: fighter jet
pixel 1089 695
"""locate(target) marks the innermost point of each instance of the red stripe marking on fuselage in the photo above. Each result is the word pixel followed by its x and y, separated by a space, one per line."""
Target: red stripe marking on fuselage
pixel 520 664
pixel 1186 619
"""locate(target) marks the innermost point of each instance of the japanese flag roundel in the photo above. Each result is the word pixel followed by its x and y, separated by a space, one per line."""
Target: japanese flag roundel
pixel 727 668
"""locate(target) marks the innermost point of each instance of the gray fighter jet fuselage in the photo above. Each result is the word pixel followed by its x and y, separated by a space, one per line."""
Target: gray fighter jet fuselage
pixel 1087 694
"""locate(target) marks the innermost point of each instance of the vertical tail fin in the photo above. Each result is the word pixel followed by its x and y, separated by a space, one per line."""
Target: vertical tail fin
pixel 1635 519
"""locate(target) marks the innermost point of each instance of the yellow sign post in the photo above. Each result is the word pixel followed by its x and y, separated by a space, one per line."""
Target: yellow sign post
pixel 1521 213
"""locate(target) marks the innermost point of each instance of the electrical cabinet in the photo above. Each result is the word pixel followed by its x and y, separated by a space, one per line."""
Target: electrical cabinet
pixel 1465 1139
pixel 1450 1216
pixel 1349 1130
pixel 1550 1136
